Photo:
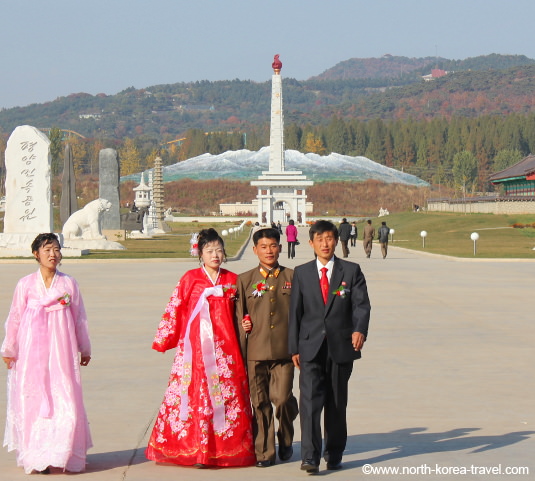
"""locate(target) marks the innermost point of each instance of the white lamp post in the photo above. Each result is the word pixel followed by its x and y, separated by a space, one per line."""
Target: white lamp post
pixel 392 231
pixel 224 233
pixel 423 234
pixel 474 236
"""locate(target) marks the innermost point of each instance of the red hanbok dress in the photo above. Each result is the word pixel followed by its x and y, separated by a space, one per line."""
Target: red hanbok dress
pixel 205 417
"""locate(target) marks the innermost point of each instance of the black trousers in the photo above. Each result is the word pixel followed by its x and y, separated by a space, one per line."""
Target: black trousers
pixel 323 386
pixel 291 250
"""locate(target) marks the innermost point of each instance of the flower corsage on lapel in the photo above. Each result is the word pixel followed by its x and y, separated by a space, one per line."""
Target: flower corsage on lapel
pixel 342 290
pixel 230 290
pixel 65 299
pixel 259 288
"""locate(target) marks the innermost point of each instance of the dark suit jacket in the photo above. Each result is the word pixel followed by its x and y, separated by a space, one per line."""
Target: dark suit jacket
pixel 311 321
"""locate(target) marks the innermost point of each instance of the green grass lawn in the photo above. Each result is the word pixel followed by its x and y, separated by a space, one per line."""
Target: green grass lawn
pixel 449 234
pixel 174 244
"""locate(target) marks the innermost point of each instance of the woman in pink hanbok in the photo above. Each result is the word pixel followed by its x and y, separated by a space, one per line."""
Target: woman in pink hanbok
pixel 45 330
pixel 205 418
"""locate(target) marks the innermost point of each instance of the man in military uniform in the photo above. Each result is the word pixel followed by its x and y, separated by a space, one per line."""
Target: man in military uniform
pixel 367 241
pixel 263 293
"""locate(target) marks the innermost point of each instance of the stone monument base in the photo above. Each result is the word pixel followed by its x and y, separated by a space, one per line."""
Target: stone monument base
pixel 65 252
pixel 19 245
pixel 117 234
pixel 95 244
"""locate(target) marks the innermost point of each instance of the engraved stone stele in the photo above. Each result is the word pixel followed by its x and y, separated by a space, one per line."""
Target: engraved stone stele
pixel 109 188
pixel 28 210
pixel 28 193
pixel 68 203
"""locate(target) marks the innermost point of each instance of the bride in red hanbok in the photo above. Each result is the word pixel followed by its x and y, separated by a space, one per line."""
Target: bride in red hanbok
pixel 205 418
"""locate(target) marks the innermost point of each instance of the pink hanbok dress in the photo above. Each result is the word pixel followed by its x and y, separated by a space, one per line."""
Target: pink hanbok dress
pixel 46 329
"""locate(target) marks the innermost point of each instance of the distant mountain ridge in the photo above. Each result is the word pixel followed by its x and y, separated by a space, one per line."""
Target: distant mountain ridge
pixel 247 165
pixel 389 66
pixel 388 88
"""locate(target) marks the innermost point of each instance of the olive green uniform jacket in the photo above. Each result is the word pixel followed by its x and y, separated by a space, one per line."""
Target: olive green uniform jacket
pixel 269 311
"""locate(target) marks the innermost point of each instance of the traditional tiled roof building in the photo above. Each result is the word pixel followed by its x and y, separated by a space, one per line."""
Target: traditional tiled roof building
pixel 517 180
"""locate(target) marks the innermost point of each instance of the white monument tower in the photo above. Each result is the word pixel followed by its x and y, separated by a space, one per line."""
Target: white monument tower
pixel 281 194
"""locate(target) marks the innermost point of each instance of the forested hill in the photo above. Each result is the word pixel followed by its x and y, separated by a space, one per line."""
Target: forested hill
pixel 388 67
pixel 162 113
pixel 392 67
pixel 461 94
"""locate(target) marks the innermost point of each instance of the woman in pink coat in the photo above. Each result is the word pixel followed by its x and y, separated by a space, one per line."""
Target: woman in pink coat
pixel 291 237
pixel 45 331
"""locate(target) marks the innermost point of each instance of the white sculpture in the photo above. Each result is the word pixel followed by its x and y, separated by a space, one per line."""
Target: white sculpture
pixel 383 212
pixel 85 223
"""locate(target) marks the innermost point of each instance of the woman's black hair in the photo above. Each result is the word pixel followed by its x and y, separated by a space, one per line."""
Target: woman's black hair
pixel 44 239
pixel 210 235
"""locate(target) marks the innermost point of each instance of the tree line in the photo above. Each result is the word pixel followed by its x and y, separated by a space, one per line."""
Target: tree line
pixel 457 152
pixel 435 150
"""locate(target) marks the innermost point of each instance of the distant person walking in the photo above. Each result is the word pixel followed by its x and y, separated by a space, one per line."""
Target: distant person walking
pixel 369 234
pixel 291 237
pixel 353 234
pixel 383 232
pixel 344 232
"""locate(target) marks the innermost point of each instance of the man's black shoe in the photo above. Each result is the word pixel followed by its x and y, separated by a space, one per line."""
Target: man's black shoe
pixel 285 452
pixel 334 466
pixel 264 464
pixel 309 467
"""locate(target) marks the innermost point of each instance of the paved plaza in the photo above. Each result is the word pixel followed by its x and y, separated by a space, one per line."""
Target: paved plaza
pixel 445 383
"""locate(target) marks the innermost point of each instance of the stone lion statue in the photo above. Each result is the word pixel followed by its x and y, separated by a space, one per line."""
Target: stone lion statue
pixel 85 223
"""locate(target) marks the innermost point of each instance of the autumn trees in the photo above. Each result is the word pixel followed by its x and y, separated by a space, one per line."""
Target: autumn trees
pixel 425 148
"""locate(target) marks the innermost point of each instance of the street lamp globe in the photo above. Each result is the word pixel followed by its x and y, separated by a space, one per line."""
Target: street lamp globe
pixel 423 234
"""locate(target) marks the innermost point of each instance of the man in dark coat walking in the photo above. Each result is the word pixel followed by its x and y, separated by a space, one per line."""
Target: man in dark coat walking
pixel 344 232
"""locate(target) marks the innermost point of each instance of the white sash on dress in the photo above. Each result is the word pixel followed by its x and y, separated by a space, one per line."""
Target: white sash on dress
pixel 206 333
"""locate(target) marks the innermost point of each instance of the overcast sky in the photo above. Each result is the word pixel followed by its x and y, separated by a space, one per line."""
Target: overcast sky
pixel 54 48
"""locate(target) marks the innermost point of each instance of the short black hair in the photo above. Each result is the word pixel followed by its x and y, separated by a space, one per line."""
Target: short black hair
pixel 44 239
pixel 322 226
pixel 267 233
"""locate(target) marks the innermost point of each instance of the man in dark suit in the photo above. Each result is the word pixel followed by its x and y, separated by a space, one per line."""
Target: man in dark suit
pixel 344 232
pixel 329 316
pixel 264 293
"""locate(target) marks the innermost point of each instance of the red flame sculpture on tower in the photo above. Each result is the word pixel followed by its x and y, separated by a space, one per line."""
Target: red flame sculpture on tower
pixel 277 64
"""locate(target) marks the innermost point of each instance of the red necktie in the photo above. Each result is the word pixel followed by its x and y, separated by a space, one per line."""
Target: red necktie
pixel 324 284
